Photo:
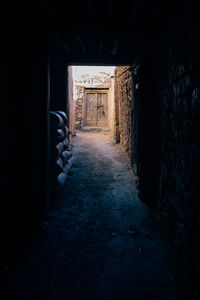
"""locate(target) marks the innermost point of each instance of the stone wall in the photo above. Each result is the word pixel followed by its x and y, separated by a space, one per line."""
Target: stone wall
pixel 79 111
pixel 123 99
pixel 79 114
pixel 180 149
pixel 158 124
pixel 111 109
pixel 168 147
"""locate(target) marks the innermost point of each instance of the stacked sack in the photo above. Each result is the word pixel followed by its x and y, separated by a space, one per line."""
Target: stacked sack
pixel 59 150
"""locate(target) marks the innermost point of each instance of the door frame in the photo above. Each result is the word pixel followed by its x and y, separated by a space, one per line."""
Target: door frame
pixel 94 90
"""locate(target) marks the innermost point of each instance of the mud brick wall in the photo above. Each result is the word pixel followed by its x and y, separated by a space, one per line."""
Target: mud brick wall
pixel 79 113
pixel 124 95
pixel 167 94
pixel 79 110
pixel 180 149
pixel 116 132
pixel 111 109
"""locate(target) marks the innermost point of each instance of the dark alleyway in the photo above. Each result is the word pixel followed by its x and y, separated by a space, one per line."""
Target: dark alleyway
pixel 101 241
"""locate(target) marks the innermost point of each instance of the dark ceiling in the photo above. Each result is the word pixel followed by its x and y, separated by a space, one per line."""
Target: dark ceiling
pixel 104 32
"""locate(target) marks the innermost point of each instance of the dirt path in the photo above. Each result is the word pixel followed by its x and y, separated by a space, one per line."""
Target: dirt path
pixel 101 243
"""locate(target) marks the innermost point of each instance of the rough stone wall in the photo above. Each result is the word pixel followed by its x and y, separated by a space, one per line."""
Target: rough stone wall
pixel 116 133
pixel 111 109
pixel 180 150
pixel 167 97
pixel 79 114
pixel 124 97
pixel 79 111
pixel 168 144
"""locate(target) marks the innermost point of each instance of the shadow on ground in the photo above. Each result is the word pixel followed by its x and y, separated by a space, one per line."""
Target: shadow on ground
pixel 101 241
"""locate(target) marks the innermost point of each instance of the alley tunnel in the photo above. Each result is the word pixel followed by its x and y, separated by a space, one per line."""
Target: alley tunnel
pixel 114 213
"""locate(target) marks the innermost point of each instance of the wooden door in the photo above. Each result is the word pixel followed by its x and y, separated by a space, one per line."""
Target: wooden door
pixel 91 109
pixel 96 109
pixel 102 110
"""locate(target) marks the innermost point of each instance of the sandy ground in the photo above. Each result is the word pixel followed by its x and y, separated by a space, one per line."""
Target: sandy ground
pixel 101 241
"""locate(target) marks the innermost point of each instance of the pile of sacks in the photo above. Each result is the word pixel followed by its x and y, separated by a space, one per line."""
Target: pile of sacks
pixel 60 150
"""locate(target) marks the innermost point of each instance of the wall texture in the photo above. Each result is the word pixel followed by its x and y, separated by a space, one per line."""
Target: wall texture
pixel 180 148
pixel 79 110
pixel 168 147
pixel 123 98
pixel 111 109
pixel 157 122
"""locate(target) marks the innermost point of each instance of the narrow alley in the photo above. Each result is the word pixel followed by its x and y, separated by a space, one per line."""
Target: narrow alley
pixel 100 155
pixel 100 242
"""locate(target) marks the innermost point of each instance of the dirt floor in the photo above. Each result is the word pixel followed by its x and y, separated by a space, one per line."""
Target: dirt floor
pixel 100 243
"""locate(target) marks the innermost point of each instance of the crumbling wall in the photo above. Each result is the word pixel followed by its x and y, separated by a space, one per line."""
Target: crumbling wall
pixel 79 114
pixel 123 98
pixel 79 110
pixel 87 80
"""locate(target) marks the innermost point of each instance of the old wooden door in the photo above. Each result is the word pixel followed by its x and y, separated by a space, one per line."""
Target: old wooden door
pixel 96 109
pixel 102 115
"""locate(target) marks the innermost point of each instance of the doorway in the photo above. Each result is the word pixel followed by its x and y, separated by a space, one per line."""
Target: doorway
pixel 96 108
